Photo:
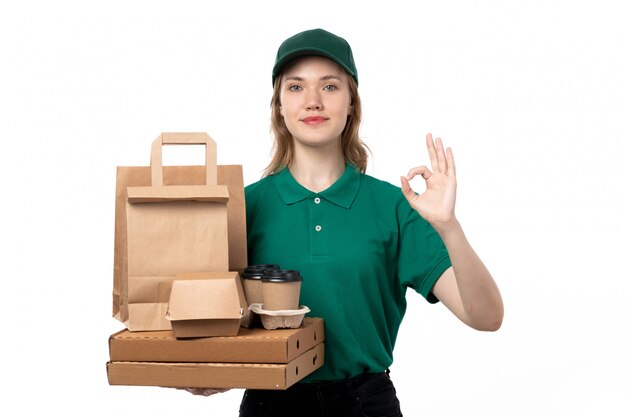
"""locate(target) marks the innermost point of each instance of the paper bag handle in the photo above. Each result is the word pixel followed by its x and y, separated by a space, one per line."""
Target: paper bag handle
pixel 156 159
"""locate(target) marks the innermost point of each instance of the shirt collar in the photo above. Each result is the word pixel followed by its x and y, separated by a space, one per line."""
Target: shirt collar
pixel 342 192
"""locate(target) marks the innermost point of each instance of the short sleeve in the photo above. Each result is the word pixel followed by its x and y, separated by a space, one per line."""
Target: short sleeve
pixel 422 255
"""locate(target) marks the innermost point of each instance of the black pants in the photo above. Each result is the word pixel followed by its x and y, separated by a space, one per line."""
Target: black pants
pixel 366 395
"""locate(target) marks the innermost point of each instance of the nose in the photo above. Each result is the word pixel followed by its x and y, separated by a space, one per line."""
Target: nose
pixel 314 100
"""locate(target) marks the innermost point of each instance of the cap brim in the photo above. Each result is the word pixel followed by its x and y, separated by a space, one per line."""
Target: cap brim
pixel 280 64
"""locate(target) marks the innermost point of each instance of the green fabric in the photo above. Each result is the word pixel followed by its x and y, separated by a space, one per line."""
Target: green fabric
pixel 315 42
pixel 370 246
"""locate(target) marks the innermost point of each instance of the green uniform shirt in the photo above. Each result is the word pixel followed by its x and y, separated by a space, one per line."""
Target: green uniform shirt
pixel 358 245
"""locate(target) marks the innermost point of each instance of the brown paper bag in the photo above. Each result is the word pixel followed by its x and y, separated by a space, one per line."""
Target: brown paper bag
pixel 170 220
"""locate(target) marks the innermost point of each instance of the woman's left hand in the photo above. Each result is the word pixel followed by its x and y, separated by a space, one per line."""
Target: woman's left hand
pixel 436 204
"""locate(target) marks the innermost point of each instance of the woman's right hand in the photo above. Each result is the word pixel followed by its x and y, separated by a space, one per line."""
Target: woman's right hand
pixel 205 391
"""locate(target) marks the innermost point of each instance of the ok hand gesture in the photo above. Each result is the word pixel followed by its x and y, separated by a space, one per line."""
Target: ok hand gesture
pixel 436 204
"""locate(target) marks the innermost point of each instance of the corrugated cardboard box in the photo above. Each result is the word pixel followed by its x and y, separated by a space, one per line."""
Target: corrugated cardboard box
pixel 206 304
pixel 216 375
pixel 254 345
pixel 256 358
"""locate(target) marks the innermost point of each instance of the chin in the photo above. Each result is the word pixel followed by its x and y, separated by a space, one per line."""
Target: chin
pixel 317 141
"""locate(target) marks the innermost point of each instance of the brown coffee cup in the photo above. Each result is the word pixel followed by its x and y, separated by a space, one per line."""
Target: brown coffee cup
pixel 252 284
pixel 281 289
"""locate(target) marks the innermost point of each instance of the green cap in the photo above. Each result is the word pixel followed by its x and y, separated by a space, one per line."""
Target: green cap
pixel 315 42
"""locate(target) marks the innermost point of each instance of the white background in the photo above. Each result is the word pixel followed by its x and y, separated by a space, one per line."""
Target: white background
pixel 530 95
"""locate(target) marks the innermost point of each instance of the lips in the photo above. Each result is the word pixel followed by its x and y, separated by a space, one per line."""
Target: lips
pixel 314 120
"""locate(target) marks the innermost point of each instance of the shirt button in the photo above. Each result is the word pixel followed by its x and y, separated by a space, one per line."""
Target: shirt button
pixel 317 200
pixel 318 228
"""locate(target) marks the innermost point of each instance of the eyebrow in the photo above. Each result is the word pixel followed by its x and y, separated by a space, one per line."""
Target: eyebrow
pixel 324 78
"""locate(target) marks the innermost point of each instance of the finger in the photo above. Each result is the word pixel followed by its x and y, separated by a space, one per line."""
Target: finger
pixel 408 192
pixel 441 157
pixel 406 187
pixel 432 153
pixel 451 164
pixel 420 170
pixel 204 391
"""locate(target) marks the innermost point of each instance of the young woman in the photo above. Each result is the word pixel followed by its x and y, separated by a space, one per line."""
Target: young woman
pixel 358 242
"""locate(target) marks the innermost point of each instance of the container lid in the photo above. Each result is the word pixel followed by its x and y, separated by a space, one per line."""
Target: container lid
pixel 257 271
pixel 210 296
pixel 282 275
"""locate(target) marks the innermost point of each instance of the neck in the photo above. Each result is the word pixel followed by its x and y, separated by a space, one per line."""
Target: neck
pixel 317 169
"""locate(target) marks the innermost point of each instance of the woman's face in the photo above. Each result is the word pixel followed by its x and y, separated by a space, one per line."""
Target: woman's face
pixel 315 101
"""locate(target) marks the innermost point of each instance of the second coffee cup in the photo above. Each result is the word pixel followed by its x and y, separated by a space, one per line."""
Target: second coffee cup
pixel 281 289
pixel 252 285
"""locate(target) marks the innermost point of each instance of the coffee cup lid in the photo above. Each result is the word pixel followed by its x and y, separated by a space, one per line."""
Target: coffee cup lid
pixel 282 275
pixel 256 271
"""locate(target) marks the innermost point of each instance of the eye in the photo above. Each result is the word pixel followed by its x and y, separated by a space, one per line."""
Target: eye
pixel 330 87
pixel 295 87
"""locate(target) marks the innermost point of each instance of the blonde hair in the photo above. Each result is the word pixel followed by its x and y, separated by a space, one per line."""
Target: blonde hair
pixel 353 148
